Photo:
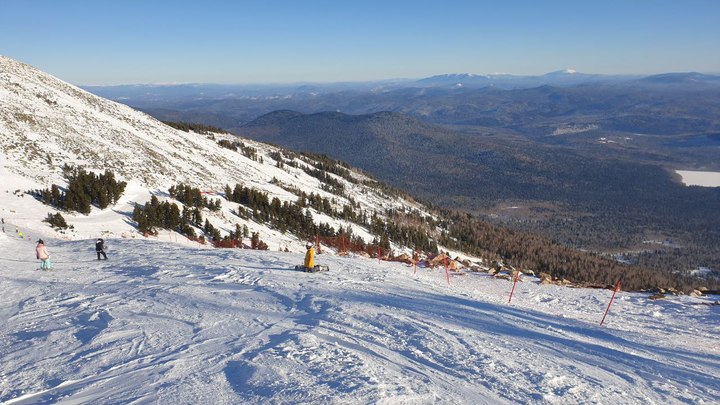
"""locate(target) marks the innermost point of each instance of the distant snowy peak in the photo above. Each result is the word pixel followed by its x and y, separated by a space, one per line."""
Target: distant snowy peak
pixel 572 76
pixel 456 76
pixel 459 77
pixel 564 72
pixel 456 80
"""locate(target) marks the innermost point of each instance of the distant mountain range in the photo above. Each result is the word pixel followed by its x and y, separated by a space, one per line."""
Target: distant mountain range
pixel 671 104
pixel 149 95
pixel 683 78
pixel 558 78
pixel 565 77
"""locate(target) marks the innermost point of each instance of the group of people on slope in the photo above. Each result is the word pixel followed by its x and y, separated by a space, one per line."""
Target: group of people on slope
pixel 42 253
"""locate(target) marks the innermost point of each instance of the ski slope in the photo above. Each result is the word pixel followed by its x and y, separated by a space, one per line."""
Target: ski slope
pixel 46 123
pixel 165 323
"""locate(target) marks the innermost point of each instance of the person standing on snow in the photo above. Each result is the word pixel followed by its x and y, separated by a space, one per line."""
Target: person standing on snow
pixel 100 248
pixel 41 253
pixel 309 257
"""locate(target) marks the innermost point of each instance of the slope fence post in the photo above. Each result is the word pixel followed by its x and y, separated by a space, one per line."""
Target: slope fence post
pixel 617 287
pixel 517 276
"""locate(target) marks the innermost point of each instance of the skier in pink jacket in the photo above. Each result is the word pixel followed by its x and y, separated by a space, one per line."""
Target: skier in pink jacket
pixel 41 253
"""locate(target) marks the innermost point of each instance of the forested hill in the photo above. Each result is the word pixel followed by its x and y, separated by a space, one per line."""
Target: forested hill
pixel 399 149
pixel 583 198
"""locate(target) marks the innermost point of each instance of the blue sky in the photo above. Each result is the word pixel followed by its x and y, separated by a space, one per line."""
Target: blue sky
pixel 105 42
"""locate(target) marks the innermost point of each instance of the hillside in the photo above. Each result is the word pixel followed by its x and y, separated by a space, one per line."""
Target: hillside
pixel 599 198
pixel 161 322
pixel 46 124
pixel 399 149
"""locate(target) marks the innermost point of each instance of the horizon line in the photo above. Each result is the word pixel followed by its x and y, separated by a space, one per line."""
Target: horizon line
pixel 399 79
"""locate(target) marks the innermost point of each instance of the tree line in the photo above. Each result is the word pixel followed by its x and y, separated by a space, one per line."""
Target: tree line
pixel 199 128
pixel 84 189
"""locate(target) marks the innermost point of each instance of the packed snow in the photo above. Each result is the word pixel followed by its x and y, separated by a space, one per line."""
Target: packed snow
pixel 161 322
pixel 696 178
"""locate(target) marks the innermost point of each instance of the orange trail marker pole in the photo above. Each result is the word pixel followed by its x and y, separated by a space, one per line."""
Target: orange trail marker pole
pixel 378 252
pixel 517 276
pixel 617 287
pixel 342 239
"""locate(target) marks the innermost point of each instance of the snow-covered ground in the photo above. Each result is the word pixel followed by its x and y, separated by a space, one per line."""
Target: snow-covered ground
pixel 704 179
pixel 161 322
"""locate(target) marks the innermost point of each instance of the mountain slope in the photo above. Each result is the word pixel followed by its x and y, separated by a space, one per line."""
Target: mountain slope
pixel 46 121
pixel 46 124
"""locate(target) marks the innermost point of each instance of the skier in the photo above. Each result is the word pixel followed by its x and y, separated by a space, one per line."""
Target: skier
pixel 309 257
pixel 100 248
pixel 42 254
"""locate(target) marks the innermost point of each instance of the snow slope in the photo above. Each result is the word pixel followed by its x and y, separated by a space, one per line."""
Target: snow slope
pixel 164 323
pixel 46 123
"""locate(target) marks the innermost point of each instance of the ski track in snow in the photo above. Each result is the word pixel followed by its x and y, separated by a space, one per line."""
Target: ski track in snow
pixel 162 323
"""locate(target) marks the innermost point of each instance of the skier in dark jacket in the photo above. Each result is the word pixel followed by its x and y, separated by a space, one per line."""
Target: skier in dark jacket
pixel 100 248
